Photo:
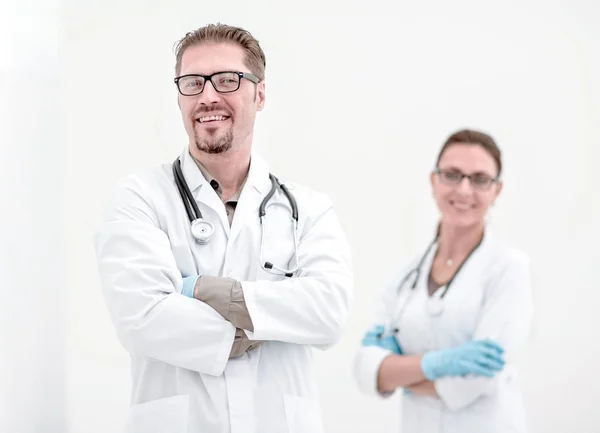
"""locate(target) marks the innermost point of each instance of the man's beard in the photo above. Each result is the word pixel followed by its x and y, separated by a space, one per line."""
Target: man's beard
pixel 215 145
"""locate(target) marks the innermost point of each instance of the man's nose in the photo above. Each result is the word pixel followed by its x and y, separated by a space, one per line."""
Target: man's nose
pixel 209 94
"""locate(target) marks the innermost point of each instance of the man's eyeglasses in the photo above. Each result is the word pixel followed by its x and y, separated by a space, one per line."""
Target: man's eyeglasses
pixel 479 181
pixel 223 82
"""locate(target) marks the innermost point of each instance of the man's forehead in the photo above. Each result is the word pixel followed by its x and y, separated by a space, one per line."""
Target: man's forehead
pixel 208 58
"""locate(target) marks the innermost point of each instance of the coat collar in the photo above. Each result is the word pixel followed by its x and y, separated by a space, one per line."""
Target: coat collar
pixel 486 241
pixel 258 175
pixel 255 188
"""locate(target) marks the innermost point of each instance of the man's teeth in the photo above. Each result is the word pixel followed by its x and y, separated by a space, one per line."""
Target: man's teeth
pixel 210 118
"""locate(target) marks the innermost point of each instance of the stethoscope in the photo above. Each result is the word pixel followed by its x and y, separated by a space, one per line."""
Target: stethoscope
pixel 435 304
pixel 202 230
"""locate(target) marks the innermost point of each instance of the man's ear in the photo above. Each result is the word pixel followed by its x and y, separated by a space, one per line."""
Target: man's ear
pixel 260 95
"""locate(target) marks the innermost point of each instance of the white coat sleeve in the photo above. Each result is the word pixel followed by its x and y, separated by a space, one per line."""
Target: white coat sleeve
pixel 313 307
pixel 141 285
pixel 367 360
pixel 506 317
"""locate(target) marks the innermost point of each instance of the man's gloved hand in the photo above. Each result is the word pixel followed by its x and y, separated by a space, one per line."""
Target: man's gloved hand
pixel 241 344
pixel 224 295
pixel 478 357
pixel 214 291
pixel 374 337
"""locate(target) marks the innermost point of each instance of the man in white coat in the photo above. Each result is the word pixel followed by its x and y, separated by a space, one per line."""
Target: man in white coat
pixel 221 333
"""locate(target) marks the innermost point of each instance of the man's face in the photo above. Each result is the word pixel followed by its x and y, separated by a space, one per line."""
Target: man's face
pixel 216 122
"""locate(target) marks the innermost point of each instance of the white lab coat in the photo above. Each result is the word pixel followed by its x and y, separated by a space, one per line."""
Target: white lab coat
pixel 183 381
pixel 489 298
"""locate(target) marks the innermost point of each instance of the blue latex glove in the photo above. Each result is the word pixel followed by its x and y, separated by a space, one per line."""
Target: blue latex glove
pixel 188 285
pixel 374 337
pixel 478 357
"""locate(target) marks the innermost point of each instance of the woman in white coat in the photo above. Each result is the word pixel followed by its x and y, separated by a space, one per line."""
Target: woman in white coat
pixel 467 291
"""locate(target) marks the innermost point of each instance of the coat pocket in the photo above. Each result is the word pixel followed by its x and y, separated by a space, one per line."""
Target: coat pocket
pixel 302 414
pixel 160 416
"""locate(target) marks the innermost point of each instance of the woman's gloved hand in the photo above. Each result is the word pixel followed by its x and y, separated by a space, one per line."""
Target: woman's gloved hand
pixel 374 337
pixel 477 357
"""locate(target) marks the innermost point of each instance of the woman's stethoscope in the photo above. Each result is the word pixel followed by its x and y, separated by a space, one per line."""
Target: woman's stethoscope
pixel 435 305
pixel 202 230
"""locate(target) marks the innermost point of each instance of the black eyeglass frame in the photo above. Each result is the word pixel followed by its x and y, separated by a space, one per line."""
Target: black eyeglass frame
pixel 241 75
pixel 461 175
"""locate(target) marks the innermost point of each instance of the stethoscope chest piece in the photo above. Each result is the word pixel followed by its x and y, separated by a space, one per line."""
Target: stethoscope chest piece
pixel 435 306
pixel 202 230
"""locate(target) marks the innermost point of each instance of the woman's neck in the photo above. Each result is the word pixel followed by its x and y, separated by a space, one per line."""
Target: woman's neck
pixel 455 243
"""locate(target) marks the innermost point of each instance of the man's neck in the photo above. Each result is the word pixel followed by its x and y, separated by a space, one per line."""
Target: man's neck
pixel 230 169
pixel 455 243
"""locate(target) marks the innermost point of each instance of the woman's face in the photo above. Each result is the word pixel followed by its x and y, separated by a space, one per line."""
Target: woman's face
pixel 464 202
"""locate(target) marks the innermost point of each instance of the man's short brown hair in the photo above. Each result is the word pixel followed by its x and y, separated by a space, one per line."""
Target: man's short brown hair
pixel 220 33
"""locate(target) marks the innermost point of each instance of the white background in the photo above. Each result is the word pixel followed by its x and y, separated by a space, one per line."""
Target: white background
pixel 33 301
pixel 359 100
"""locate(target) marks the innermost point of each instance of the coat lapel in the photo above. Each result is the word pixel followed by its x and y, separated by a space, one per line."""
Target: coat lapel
pixel 257 186
pixel 208 200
